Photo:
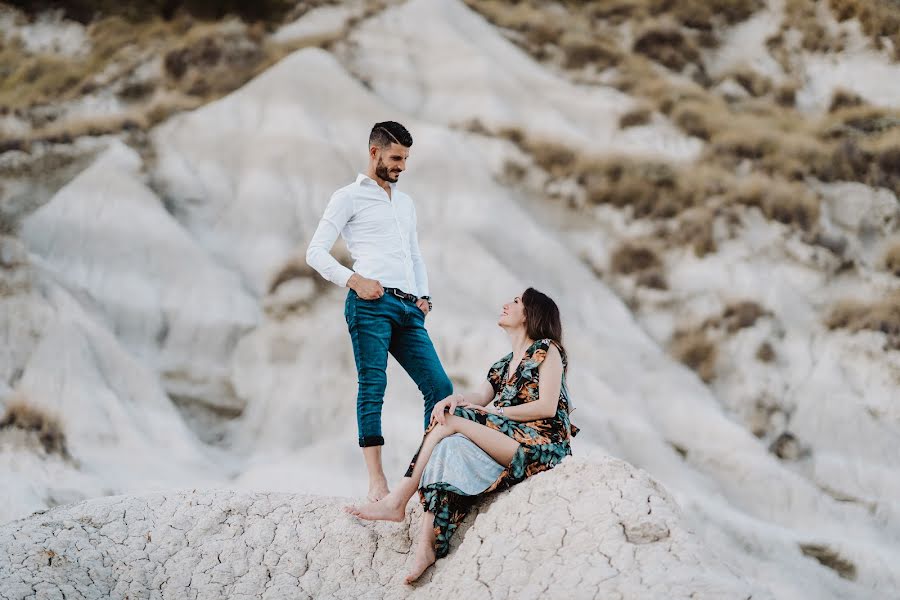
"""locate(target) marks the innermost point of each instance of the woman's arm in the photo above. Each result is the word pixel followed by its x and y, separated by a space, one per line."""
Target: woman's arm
pixel 479 397
pixel 548 393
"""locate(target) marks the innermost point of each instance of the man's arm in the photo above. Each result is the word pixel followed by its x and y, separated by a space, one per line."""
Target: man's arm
pixel 318 254
pixel 416 255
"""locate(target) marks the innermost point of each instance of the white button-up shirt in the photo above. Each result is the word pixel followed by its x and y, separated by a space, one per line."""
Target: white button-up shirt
pixel 380 232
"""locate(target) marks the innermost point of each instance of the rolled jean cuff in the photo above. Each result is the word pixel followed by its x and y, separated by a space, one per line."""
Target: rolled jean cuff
pixel 371 440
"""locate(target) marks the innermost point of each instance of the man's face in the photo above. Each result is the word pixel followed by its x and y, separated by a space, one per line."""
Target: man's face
pixel 390 161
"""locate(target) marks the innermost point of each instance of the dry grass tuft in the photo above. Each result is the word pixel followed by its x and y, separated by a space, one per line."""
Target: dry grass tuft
pixel 554 158
pixel 754 82
pixel 696 351
pixel 786 94
pixel 668 46
pixel 881 315
pixel 581 49
pixel 874 161
pixel 741 315
pixel 20 415
pixel 695 229
pixel 636 117
pixel 695 118
pixel 705 14
pixel 890 262
pixel 765 353
pixel 831 559
pixel 859 120
pixel 631 258
pixel 844 98
pixel 788 203
pixel 9 222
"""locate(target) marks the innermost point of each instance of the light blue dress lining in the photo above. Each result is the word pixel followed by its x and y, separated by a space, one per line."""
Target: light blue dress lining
pixel 457 460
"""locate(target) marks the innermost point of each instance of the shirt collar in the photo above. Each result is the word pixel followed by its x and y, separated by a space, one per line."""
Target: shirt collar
pixel 363 178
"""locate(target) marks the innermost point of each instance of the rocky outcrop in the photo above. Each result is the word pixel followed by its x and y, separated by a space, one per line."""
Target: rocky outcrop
pixel 599 529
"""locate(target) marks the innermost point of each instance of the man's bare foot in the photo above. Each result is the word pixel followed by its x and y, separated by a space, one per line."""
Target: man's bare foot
pixel 424 558
pixel 378 489
pixel 386 509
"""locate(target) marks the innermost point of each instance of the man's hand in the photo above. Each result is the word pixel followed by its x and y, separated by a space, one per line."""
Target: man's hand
pixel 447 405
pixel 423 306
pixel 367 289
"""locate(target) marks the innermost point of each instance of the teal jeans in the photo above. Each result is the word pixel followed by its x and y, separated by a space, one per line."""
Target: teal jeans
pixel 393 326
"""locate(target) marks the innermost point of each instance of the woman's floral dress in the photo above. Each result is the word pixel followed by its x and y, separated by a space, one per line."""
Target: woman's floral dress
pixel 543 443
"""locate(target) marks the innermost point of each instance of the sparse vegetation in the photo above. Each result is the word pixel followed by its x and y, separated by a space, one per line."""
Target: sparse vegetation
pixel 890 262
pixel 201 62
pixel 740 315
pixel 86 11
pixel 582 49
pixel 879 18
pixel 21 415
pixel 668 46
pixel 764 135
pixel 636 117
pixel 695 350
pixel 801 16
pixel 765 353
pixel 844 98
pixel 632 258
pixel 786 94
pixel 831 559
pixel 789 203
pixel 695 229
pixel 787 447
pixel 650 188
pixel 880 315
pixel 755 83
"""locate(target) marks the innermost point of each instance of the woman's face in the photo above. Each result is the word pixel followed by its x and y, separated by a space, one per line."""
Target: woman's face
pixel 513 314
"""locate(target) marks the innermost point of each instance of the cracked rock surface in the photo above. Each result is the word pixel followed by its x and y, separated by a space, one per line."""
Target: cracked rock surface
pixel 598 529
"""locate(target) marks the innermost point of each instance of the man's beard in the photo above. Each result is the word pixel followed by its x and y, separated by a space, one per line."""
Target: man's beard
pixel 382 171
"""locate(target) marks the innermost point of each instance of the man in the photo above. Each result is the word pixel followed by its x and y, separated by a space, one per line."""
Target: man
pixel 388 298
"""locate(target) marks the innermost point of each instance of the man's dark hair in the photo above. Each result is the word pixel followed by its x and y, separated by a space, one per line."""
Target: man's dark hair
pixel 388 132
pixel 541 316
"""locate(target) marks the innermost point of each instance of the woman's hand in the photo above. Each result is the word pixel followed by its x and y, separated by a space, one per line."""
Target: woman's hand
pixel 448 404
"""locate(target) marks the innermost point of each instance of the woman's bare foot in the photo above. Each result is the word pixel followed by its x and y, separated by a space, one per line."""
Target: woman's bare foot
pixel 424 558
pixel 388 508
pixel 378 489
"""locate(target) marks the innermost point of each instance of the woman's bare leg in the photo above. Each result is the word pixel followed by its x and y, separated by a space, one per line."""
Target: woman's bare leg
pixel 392 507
pixel 424 554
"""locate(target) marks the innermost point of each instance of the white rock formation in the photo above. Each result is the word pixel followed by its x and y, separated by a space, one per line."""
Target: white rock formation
pixel 108 236
pixel 597 529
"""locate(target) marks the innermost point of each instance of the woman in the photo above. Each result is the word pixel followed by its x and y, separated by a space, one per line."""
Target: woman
pixel 519 418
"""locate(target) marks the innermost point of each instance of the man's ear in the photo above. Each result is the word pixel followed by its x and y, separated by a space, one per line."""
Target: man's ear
pixel 373 151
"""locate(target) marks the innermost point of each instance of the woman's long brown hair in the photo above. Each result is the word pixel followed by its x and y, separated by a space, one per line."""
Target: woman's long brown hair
pixel 541 316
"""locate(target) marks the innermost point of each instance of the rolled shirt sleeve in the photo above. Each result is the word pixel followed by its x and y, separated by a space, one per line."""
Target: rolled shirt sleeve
pixel 318 254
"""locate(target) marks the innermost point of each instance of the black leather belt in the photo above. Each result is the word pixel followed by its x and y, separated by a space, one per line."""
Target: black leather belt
pixel 401 294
